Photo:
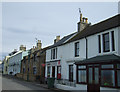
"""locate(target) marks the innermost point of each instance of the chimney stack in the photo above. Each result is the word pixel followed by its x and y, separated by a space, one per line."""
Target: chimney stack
pixel 39 44
pixel 22 48
pixel 83 23
pixel 57 39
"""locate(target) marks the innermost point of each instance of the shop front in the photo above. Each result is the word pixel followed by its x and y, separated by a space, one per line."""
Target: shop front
pixel 99 71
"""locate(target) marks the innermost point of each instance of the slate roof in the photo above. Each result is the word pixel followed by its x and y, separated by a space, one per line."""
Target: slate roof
pixel 100 59
pixel 60 42
pixel 97 28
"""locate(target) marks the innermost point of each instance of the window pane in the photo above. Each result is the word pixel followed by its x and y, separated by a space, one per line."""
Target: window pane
pixel 118 77
pixel 99 42
pixel 82 76
pixel 106 37
pixel 118 66
pixel 34 70
pixel 96 75
pixel 90 75
pixel 107 66
pixel 107 78
pixel 53 53
pixel 113 42
pixel 76 49
pixel 106 44
pixel 48 71
pixel 56 53
pixel 81 67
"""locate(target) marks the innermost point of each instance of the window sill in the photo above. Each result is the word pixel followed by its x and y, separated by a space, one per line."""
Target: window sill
pixel 110 52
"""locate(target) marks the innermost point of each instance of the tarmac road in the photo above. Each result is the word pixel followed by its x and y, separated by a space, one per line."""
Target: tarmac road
pixel 15 84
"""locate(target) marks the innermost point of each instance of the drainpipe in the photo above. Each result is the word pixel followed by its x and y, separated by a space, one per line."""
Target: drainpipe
pixel 86 48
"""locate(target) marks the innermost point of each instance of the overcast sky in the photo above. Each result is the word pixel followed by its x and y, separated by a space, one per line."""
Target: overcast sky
pixel 23 22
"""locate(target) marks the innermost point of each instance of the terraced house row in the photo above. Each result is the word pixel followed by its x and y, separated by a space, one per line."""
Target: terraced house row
pixel 88 59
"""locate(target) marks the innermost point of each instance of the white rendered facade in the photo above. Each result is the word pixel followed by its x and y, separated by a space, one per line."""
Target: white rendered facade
pixel 15 62
pixel 66 54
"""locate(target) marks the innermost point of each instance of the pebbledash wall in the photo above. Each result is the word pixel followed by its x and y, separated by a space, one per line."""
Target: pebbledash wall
pixel 66 55
pixel 15 62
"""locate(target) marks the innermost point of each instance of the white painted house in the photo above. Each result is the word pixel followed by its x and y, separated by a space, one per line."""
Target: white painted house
pixel 89 59
pixel 14 65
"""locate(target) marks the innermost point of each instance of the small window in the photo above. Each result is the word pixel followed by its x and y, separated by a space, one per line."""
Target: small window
pixel 51 54
pixel 76 49
pixel 23 70
pixel 56 53
pixel 34 70
pixel 99 43
pixel 106 44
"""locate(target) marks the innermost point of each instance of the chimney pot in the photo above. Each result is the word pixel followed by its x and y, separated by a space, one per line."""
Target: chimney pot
pixel 22 47
pixel 57 39
pixel 39 44
pixel 86 20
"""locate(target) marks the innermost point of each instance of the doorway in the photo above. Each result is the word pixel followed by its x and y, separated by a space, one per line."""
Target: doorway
pixel 71 73
pixel 53 71
pixel 93 79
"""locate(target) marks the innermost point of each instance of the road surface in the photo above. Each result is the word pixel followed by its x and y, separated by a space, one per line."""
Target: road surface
pixel 15 84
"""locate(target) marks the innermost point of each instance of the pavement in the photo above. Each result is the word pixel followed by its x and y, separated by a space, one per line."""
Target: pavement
pixel 14 83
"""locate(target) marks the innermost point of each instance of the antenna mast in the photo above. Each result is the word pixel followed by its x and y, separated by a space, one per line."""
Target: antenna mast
pixel 80 14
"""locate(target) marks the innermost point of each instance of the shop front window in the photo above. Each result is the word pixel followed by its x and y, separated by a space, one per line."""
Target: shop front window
pixel 82 76
pixel 48 71
pixel 107 78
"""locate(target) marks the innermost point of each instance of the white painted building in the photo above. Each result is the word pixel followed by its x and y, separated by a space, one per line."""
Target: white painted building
pixel 14 65
pixel 90 56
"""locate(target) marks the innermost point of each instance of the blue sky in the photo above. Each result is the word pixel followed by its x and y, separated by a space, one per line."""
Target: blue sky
pixel 22 22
